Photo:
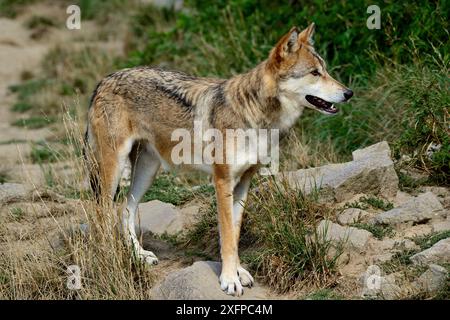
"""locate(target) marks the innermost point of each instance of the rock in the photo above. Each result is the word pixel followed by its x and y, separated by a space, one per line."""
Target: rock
pixel 198 282
pixel 356 238
pixel 440 226
pixel 159 217
pixel 13 192
pixel 439 253
pixel 406 244
pixel 383 245
pixel 377 286
pixel 442 193
pixel 417 231
pixel 371 171
pixel 418 210
pixel 432 280
pixel 351 215
pixel 380 258
pixel 401 198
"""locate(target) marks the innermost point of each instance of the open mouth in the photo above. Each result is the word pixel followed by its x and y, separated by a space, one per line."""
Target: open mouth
pixel 321 104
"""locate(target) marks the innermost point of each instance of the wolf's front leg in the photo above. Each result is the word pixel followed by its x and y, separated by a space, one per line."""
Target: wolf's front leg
pixel 240 193
pixel 229 278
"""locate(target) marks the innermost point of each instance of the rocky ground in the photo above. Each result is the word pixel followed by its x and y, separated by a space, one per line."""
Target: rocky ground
pixel 394 244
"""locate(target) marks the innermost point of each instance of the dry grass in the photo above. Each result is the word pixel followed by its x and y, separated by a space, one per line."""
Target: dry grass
pixel 35 268
pixel 287 252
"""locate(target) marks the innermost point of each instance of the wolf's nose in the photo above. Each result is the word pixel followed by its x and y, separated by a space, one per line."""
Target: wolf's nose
pixel 348 94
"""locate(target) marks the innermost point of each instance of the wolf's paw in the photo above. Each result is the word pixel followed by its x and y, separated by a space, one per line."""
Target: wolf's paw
pixel 245 277
pixel 231 284
pixel 148 257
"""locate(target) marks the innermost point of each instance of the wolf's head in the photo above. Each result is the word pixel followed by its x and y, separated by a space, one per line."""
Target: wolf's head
pixel 301 75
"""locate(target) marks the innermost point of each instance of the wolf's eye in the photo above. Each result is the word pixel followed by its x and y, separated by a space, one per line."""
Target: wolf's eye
pixel 315 73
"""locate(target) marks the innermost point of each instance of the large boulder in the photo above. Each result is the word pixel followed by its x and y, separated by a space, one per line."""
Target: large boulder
pixel 199 282
pixel 417 210
pixel 371 172
pixel 438 253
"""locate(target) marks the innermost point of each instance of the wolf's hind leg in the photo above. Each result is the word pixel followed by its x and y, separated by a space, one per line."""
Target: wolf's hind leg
pixel 145 163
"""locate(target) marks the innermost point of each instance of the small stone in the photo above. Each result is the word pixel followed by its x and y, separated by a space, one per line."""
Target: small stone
pixel 201 281
pixel 356 238
pixel 351 215
pixel 13 192
pixel 418 210
pixel 439 253
pixel 377 286
pixel 159 217
pixel 440 226
pixel 405 244
pixel 433 279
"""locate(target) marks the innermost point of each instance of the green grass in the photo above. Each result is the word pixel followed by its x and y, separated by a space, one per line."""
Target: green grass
pixel 39 21
pixel 364 203
pixel 401 260
pixel 284 245
pixel 17 213
pixel 377 203
pixel 378 232
pixel 408 183
pixel 204 234
pixel 4 177
pixel 427 241
pixel 165 188
pixel 26 89
pixel 34 122
pixel 21 107
pixel 324 294
pixel 43 153
pixel 10 8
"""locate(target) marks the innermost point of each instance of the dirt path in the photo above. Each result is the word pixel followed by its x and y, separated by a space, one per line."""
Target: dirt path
pixel 22 51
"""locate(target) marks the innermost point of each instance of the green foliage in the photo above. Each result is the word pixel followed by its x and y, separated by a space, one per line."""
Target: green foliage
pixel 364 203
pixel 21 107
pixel 17 213
pixel 43 153
pixel 427 241
pixel 10 8
pixel 100 9
pixel 408 183
pixel 165 188
pixel 281 227
pixel 34 122
pixel 26 89
pixel 377 203
pixel 324 294
pixel 224 37
pixel 39 21
pixel 426 120
pixel 378 232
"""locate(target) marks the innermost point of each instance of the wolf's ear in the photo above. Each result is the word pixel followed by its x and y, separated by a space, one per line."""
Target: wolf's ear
pixel 289 42
pixel 307 34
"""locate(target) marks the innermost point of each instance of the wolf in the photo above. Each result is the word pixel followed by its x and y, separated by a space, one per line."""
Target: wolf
pixel 134 111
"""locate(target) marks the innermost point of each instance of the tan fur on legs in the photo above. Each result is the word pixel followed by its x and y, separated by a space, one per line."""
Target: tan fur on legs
pixel 229 279
pixel 240 193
